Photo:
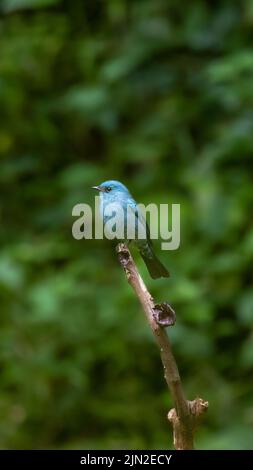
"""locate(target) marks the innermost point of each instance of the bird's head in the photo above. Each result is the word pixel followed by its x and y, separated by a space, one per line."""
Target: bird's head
pixel 112 188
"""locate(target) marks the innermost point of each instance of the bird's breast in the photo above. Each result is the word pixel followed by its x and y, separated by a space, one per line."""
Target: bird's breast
pixel 119 219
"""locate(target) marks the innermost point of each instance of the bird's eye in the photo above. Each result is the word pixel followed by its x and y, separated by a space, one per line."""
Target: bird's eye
pixel 108 189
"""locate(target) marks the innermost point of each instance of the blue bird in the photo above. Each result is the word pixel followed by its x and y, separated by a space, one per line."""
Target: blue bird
pixel 112 192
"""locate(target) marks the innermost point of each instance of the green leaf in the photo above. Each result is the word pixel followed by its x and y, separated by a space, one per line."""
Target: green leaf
pixel 11 5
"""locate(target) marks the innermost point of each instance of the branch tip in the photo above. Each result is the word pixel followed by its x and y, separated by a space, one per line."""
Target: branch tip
pixel 164 314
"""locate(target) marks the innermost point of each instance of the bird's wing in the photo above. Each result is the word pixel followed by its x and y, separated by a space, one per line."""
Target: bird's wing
pixel 139 217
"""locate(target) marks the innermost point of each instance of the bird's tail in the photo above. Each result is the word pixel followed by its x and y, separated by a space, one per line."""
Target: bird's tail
pixel 155 267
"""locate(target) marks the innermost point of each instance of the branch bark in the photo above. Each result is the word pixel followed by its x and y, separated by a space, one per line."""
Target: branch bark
pixel 185 416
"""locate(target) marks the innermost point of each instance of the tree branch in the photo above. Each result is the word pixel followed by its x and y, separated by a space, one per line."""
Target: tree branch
pixel 184 417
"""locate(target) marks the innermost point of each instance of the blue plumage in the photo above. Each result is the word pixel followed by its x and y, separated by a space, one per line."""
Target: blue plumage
pixel 114 193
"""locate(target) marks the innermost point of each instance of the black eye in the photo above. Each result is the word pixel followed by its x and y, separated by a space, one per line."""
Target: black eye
pixel 108 189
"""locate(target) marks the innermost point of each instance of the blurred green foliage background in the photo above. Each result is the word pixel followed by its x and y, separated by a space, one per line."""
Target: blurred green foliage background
pixel 159 95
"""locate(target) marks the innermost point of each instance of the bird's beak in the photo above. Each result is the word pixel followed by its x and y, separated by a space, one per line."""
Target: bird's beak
pixel 99 188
